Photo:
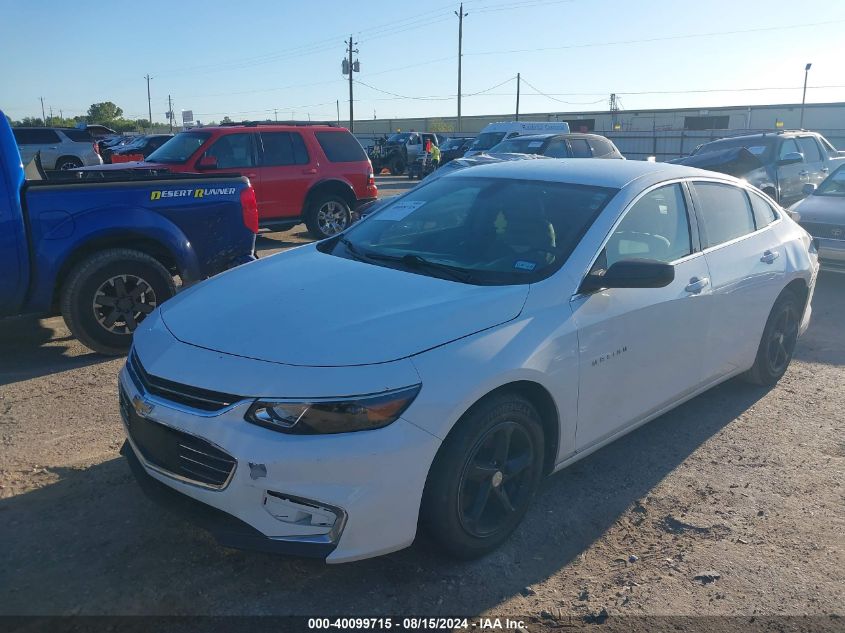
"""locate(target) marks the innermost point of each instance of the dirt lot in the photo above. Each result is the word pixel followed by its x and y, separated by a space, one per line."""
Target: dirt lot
pixel 732 504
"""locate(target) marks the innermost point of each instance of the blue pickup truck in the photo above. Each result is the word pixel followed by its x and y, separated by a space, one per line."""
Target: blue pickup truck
pixel 103 253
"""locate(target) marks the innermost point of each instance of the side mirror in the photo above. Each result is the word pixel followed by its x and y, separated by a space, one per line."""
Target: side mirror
pixel 808 189
pixel 791 158
pixel 207 162
pixel 631 273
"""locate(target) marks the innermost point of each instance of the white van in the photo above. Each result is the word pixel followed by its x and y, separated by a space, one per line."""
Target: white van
pixel 494 133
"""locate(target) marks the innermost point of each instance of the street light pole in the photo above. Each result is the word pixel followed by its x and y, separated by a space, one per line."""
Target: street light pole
pixel 461 15
pixel 149 103
pixel 804 95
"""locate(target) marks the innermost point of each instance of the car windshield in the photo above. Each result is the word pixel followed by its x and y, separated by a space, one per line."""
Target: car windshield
pixel 179 149
pixel 520 145
pixel 487 140
pixel 833 185
pixel 483 231
pixel 759 147
pixel 399 138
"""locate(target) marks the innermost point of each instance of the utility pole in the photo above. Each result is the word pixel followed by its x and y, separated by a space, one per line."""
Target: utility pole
pixel 804 95
pixel 149 103
pixel 461 15
pixel 338 111
pixel 43 115
pixel 276 115
pixel 518 79
pixel 61 114
pixel 350 66
pixel 169 112
pixel 614 108
pixel 51 114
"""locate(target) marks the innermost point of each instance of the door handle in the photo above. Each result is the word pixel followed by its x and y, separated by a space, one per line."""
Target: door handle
pixel 769 257
pixel 309 171
pixel 697 284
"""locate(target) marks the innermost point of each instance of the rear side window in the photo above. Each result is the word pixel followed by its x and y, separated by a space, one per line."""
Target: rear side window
pixel 79 136
pixel 764 215
pixel 600 146
pixel 36 136
pixel 810 149
pixel 557 149
pixel 724 212
pixel 580 148
pixel 284 148
pixel 341 147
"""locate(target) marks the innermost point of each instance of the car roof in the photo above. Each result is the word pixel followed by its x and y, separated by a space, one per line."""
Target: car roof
pixel 270 127
pixel 586 171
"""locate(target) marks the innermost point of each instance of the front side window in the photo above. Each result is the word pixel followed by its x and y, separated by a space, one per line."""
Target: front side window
pixel 341 147
pixel 231 151
pixel 179 149
pixel 284 148
pixel 478 230
pixel 789 146
pixel 580 148
pixel 724 212
pixel 810 149
pixel 655 227
pixel 834 185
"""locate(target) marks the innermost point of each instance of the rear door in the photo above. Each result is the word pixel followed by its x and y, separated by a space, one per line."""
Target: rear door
pixel 747 271
pixel 557 148
pixel 813 161
pixel 640 348
pixel 286 171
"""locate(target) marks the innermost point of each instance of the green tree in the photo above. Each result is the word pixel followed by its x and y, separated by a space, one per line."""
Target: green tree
pixel 104 112
pixel 226 119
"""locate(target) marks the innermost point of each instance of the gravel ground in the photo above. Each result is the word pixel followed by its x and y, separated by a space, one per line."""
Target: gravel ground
pixel 731 504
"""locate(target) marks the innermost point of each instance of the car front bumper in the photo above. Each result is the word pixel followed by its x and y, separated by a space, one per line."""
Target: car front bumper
pixel 371 482
pixel 831 254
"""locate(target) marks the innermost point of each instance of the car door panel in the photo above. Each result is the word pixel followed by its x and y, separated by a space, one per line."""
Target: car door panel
pixel 640 348
pixel 813 162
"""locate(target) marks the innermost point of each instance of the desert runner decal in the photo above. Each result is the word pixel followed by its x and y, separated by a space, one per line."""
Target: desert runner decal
pixel 192 193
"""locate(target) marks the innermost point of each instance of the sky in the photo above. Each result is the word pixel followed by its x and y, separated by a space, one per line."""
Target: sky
pixel 255 60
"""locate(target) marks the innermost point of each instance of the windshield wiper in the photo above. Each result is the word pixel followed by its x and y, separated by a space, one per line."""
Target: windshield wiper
pixel 416 261
pixel 353 250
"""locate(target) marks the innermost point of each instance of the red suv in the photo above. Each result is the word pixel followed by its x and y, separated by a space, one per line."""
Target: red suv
pixel 313 173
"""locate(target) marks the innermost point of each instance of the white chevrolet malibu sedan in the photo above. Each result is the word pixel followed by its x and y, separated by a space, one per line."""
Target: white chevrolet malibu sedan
pixel 428 366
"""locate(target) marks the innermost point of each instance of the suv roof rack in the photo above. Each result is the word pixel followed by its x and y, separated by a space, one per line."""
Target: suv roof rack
pixel 257 123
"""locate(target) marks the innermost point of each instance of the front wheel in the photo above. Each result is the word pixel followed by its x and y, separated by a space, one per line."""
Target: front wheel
pixel 107 295
pixel 327 216
pixel 778 343
pixel 484 477
pixel 68 162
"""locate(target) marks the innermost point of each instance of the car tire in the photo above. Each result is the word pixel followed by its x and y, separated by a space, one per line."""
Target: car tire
pixel 68 162
pixel 106 295
pixel 328 215
pixel 778 342
pixel 471 503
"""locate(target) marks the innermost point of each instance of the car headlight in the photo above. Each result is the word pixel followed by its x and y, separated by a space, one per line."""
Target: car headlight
pixel 342 415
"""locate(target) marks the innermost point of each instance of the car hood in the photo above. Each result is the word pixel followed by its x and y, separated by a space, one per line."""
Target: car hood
pixel 821 209
pixel 305 307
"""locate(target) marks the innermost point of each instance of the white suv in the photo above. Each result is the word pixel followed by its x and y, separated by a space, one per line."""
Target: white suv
pixel 61 148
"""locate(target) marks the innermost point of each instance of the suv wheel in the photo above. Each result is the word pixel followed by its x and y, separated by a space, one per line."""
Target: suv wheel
pixel 107 295
pixel 328 215
pixel 68 162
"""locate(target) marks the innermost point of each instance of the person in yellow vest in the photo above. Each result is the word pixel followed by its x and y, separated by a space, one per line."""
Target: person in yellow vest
pixel 435 157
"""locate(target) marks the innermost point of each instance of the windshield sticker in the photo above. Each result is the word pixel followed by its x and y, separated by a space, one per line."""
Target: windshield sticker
pixel 524 265
pixel 400 210
pixel 535 144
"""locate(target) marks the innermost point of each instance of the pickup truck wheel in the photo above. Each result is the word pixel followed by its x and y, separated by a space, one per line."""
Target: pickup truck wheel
pixel 106 296
pixel 397 166
pixel 68 162
pixel 328 215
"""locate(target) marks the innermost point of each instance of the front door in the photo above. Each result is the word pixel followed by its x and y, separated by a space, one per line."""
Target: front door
pixel 640 348
pixel 286 172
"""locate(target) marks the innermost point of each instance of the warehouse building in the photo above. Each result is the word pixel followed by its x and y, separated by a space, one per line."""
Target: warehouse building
pixel 663 133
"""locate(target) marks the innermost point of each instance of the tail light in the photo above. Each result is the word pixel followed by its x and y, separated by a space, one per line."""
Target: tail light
pixel 371 180
pixel 249 208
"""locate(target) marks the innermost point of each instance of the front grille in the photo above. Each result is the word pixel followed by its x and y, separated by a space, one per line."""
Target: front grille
pixel 187 395
pixel 176 453
pixel 826 231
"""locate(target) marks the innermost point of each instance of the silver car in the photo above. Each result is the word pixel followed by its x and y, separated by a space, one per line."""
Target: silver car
pixel 822 214
pixel 61 148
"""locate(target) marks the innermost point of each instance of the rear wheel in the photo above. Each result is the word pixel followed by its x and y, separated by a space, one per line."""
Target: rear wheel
pixel 778 343
pixel 107 295
pixel 397 166
pixel 68 162
pixel 328 215
pixel 484 476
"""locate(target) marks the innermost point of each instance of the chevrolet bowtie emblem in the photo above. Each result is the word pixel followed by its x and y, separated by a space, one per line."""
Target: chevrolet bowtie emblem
pixel 141 406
